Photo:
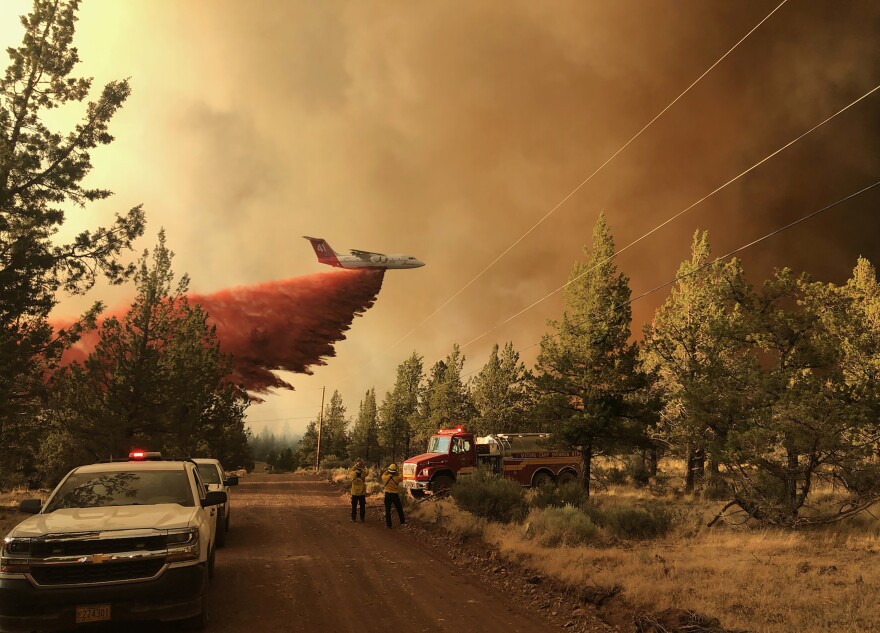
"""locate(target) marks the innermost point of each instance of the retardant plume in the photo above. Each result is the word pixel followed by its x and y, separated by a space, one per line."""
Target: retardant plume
pixel 289 325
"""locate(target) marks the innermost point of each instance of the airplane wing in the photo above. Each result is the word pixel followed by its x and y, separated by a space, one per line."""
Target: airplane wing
pixel 366 254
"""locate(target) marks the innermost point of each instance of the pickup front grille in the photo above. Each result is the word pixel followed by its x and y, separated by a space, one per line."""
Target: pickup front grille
pixel 45 549
pixel 78 574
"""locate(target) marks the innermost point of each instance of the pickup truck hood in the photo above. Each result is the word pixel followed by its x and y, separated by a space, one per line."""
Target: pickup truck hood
pixel 164 516
pixel 425 458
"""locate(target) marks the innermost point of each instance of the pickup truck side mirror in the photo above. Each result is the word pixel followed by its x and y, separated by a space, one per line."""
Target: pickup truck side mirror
pixel 232 480
pixel 214 498
pixel 31 506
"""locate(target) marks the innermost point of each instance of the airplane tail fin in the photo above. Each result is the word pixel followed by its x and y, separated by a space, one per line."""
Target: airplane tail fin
pixel 326 255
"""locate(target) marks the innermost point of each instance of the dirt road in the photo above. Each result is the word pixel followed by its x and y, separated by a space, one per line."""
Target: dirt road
pixel 294 562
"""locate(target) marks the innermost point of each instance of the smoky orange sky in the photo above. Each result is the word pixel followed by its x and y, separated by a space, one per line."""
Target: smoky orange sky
pixel 446 130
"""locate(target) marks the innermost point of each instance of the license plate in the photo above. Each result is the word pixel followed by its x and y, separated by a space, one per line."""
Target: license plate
pixel 93 613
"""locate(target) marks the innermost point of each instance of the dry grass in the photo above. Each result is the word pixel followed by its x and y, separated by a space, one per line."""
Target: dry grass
pixel 760 580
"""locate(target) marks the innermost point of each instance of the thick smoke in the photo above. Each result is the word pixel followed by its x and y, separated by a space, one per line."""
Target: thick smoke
pixel 289 325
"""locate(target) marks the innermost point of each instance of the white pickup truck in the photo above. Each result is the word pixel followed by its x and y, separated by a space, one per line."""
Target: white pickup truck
pixel 114 541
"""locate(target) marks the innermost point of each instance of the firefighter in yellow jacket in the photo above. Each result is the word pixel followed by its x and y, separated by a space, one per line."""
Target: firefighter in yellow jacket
pixel 358 477
pixel 391 480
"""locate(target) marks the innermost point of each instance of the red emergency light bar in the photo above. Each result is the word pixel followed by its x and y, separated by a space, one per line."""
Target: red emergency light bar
pixel 139 455
pixel 450 431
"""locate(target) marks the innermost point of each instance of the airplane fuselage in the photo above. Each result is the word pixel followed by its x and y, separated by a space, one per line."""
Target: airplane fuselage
pixel 360 259
pixel 376 261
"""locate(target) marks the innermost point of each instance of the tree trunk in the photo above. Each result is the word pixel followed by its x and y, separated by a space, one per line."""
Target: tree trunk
pixel 689 471
pixel 653 459
pixel 587 457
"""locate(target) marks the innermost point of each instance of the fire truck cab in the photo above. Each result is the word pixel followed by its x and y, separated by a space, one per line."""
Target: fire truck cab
pixel 527 458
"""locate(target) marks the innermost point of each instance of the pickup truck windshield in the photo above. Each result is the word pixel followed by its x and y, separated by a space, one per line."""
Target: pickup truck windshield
pixel 439 444
pixel 123 488
pixel 209 474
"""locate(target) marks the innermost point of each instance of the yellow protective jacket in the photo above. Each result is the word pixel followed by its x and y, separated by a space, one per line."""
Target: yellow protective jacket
pixel 358 482
pixel 391 481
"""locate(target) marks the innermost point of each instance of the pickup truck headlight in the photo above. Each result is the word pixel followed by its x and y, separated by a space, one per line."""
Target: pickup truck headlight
pixel 182 545
pixel 14 556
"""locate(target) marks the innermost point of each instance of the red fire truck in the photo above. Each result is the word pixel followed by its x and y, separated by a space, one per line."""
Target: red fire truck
pixel 527 458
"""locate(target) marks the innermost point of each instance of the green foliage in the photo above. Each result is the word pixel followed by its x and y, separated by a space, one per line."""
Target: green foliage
pixel 638 523
pixel 399 411
pixel 567 525
pixel 501 394
pixel 446 401
pixel 334 461
pixel 365 434
pixel 284 460
pixel 155 379
pixel 489 496
pixel 334 434
pixel 589 372
pixel 41 176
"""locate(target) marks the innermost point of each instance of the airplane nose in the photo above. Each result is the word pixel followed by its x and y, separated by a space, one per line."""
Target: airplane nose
pixel 419 263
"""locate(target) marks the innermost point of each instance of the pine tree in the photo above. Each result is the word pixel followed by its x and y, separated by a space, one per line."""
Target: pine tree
pixel 446 401
pixel 589 372
pixel 501 395
pixel 41 175
pixel 399 410
pixel 365 434
pixel 155 379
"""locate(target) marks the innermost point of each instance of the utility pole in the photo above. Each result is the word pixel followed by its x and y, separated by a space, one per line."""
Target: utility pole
pixel 320 424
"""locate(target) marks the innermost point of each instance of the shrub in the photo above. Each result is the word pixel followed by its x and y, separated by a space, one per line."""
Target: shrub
pixel 638 472
pixel 562 526
pixel 570 494
pixel 332 461
pixel 612 476
pixel 638 523
pixel 489 496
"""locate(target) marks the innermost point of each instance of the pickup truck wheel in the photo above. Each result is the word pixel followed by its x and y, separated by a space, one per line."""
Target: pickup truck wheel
pixel 441 485
pixel 200 621
pixel 211 559
pixel 417 494
pixel 221 530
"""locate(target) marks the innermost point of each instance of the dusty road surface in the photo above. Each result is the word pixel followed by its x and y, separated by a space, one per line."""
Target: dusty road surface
pixel 294 562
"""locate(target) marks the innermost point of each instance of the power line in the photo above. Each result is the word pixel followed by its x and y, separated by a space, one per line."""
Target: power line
pixel 722 257
pixel 587 179
pixel 677 215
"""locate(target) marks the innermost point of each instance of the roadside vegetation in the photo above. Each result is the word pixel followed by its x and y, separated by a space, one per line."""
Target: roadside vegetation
pixel 653 543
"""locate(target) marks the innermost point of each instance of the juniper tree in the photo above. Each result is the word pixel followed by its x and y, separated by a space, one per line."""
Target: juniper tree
pixel 694 343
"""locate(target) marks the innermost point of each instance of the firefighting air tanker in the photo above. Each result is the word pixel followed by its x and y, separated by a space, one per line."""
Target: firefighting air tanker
pixel 360 259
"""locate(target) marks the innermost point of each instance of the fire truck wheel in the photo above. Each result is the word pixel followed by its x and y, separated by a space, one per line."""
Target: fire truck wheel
pixel 441 485
pixel 566 478
pixel 542 479
pixel 417 494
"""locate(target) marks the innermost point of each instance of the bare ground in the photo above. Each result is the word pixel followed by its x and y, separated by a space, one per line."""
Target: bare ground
pixel 295 562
